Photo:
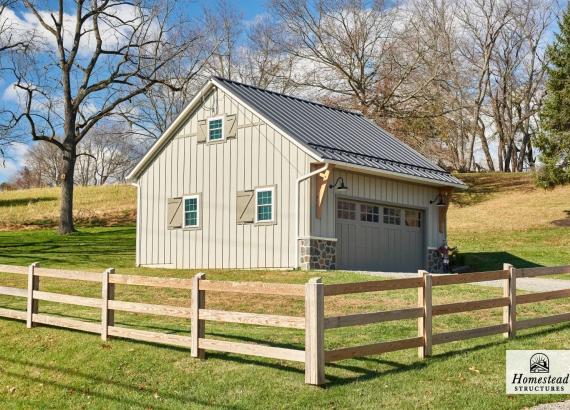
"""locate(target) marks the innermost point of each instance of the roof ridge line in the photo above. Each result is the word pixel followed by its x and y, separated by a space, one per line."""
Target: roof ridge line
pixel 290 96
pixel 405 164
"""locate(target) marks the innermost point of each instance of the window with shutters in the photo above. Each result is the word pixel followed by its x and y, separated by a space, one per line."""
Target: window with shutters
pixel 413 218
pixel 369 213
pixel 392 216
pixel 346 210
pixel 216 129
pixel 191 211
pixel 265 204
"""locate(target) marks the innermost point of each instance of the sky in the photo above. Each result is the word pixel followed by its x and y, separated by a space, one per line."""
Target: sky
pixel 15 156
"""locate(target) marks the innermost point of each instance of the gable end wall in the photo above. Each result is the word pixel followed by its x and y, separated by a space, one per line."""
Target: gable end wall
pixel 259 156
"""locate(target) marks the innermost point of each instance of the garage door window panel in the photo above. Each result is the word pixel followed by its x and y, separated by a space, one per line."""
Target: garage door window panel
pixel 346 210
pixel 369 213
pixel 392 216
pixel 413 218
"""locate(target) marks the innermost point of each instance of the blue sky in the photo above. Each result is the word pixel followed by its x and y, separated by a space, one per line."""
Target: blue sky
pixel 16 155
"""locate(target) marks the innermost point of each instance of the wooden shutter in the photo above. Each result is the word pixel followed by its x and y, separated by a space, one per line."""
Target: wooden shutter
pixel 245 207
pixel 202 130
pixel 175 213
pixel 230 127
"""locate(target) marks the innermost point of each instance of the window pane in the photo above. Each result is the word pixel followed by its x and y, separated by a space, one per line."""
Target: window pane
pixel 191 212
pixel 369 213
pixel 391 216
pixel 264 206
pixel 215 130
pixel 346 210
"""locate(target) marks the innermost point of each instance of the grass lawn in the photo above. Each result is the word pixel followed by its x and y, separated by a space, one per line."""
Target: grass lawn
pixel 505 218
pixel 108 205
pixel 57 368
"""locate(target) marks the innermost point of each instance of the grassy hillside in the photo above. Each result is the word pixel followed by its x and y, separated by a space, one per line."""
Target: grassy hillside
pixel 110 205
pixel 505 202
pixel 505 218
pixel 500 218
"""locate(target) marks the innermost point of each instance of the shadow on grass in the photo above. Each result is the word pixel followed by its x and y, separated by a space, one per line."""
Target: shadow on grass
pixel 363 371
pixel 488 261
pixel 5 203
pixel 483 185
pixel 565 222
pixel 105 246
pixel 120 399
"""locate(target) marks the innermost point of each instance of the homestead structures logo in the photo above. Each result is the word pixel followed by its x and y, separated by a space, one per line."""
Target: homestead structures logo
pixel 538 372
pixel 539 363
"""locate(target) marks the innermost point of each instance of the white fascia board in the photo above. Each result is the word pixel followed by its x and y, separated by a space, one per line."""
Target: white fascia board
pixel 394 175
pixel 157 146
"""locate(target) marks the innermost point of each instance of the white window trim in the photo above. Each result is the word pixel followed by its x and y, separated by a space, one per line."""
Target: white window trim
pixel 184 198
pixel 208 128
pixel 267 189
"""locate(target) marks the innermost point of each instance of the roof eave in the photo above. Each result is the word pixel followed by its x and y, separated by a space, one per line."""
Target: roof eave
pixel 396 175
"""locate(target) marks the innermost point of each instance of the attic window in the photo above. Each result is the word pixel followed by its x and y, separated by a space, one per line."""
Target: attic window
pixel 215 129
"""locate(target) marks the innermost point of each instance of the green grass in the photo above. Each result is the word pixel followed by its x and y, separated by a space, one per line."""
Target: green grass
pixel 505 218
pixel 529 248
pixel 501 218
pixel 108 205
pixel 57 368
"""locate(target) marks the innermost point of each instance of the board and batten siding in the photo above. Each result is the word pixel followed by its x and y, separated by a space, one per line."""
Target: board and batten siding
pixel 259 156
pixel 382 190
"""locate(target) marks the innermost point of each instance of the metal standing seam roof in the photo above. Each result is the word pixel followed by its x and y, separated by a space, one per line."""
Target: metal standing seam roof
pixel 338 135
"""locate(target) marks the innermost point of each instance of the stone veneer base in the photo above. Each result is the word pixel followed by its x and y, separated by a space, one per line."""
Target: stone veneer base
pixel 435 262
pixel 317 254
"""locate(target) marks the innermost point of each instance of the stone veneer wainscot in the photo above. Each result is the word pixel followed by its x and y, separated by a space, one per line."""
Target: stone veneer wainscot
pixel 317 254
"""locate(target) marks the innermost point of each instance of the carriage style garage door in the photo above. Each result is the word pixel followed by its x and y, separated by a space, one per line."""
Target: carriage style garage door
pixel 379 237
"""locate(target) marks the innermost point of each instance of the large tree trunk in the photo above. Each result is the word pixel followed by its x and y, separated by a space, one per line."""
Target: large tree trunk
pixel 66 209
pixel 485 147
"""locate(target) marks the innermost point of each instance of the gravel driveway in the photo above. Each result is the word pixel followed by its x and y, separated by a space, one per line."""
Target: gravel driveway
pixel 528 284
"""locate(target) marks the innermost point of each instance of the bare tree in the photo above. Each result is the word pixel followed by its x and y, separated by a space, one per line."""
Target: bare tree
pixel 226 25
pixel 365 54
pixel 107 53
pixel 516 83
pixel 44 162
pixel 106 157
pixel 262 62
pixel 10 37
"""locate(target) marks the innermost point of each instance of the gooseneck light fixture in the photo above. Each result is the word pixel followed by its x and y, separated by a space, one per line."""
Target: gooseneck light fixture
pixel 341 187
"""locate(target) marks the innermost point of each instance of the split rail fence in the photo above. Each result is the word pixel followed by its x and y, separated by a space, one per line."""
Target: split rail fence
pixel 314 323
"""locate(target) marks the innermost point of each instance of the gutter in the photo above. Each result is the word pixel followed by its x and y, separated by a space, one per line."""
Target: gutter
pixel 298 205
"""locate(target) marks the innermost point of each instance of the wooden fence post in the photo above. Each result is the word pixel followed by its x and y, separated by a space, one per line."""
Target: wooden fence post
pixel 425 322
pixel 510 291
pixel 33 284
pixel 315 332
pixel 107 293
pixel 198 327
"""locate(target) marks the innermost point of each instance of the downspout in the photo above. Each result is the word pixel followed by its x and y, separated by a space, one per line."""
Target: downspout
pixel 137 235
pixel 298 205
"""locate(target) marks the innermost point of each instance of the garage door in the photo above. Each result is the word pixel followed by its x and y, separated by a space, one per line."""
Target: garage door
pixel 379 237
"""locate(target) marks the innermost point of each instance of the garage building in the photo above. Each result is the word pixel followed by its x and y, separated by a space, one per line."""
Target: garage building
pixel 249 178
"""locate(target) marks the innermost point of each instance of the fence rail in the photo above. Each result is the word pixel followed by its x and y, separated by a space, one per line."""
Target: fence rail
pixel 314 323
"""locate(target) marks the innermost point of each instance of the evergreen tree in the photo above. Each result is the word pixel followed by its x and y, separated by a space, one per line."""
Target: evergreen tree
pixel 554 140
